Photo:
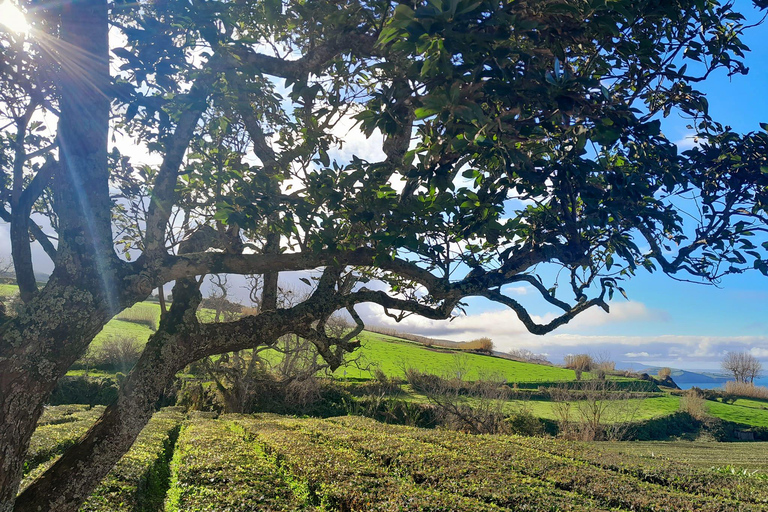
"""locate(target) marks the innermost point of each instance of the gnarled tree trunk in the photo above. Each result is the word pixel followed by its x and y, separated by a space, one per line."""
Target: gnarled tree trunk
pixel 57 323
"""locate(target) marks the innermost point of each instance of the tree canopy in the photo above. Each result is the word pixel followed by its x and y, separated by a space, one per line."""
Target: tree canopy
pixel 511 136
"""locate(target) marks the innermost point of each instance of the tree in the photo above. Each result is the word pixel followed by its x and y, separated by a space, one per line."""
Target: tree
pixel 743 366
pixel 513 138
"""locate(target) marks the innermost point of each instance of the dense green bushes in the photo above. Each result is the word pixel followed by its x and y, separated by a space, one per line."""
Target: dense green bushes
pixel 84 390
pixel 216 468
pixel 269 462
pixel 140 480
pixel 137 483
pixel 58 429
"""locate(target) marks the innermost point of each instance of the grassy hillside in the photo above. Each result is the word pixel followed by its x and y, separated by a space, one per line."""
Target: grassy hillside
pixel 746 412
pixel 393 355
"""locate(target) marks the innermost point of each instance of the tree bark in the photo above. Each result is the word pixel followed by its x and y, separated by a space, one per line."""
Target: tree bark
pixel 56 326
pixel 69 482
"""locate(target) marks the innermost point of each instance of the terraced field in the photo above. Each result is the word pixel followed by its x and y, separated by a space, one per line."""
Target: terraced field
pixel 729 457
pixel 276 463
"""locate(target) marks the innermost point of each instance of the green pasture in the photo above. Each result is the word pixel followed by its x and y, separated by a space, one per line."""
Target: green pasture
pixel 8 290
pixel 634 409
pixel 119 328
pixel 745 414
pixel 393 356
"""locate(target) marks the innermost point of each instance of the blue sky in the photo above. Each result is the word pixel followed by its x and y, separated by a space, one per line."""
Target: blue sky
pixel 665 322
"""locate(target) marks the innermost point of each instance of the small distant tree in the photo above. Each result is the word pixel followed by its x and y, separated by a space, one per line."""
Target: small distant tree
pixel 483 345
pixel 743 366
pixel 579 362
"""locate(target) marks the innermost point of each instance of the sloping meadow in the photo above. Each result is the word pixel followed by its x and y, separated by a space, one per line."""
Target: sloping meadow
pixel 275 463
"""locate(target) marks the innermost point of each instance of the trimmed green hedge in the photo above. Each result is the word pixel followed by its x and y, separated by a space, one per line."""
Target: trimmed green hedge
pixel 216 468
pixel 141 478
pixel 331 477
pixel 84 390
pixel 58 429
pixel 539 459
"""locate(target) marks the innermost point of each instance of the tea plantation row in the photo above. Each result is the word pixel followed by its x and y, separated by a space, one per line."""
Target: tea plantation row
pixel 272 463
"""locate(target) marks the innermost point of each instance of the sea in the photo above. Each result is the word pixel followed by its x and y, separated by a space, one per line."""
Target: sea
pixel 714 384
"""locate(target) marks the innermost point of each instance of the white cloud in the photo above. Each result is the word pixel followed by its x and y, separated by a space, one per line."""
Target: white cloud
pixel 688 141
pixel 690 351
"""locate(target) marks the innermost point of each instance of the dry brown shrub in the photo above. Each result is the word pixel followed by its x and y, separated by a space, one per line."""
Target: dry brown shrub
pixel 580 362
pixel 694 404
pixel 664 373
pixel 746 389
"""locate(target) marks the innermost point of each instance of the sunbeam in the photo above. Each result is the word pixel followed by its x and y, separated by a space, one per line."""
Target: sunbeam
pixel 12 18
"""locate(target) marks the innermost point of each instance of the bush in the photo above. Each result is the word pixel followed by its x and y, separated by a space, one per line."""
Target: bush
pixel 114 354
pixel 119 353
pixel 746 390
pixel 60 428
pixel 84 390
pixel 665 373
pixel 580 362
pixel 141 478
pixel 481 345
pixel 693 403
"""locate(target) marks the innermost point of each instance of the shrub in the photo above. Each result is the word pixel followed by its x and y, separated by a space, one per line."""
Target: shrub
pixel 216 468
pixel 84 390
pixel 481 345
pixel 141 478
pixel 694 404
pixel 581 362
pixel 60 428
pixel 119 353
pixel 665 373
pixel 746 390
pixel 422 382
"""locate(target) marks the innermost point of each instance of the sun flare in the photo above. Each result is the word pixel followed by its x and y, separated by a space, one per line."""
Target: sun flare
pixel 12 18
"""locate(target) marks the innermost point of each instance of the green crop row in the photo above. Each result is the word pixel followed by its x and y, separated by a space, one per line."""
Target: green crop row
pixel 216 468
pixel 59 428
pixel 608 488
pixel 334 478
pixel 430 468
pixel 672 474
pixel 140 480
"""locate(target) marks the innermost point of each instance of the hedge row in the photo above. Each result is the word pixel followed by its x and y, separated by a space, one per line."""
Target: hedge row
pixel 668 473
pixel 458 471
pixel 216 468
pixel 59 428
pixel 333 478
pixel 140 480
pixel 530 457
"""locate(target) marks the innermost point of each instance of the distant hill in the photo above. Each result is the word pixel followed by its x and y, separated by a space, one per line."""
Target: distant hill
pixel 682 378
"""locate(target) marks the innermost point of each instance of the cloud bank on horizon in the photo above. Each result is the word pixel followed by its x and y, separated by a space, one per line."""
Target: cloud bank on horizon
pixel 584 334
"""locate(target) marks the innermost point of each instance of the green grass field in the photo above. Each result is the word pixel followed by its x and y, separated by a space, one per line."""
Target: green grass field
pixel 617 410
pixel 739 412
pixel 8 290
pixel 393 355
